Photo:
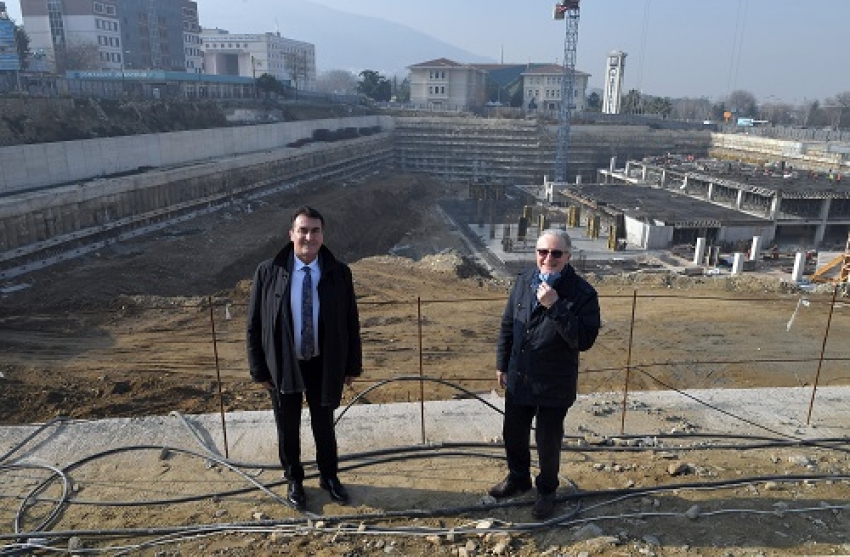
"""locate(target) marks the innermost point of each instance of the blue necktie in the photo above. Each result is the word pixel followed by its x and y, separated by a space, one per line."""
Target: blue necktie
pixel 307 315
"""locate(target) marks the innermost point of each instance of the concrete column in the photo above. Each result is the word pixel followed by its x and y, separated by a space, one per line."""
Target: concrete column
pixel 700 251
pixel 578 179
pixel 824 209
pixel 664 178
pixel 738 264
pixel 799 267
pixel 714 256
pixel 774 206
pixel 492 221
pixel 644 173
pixel 628 168
pixel 613 164
pixel 820 231
pixel 755 249
pixel 710 195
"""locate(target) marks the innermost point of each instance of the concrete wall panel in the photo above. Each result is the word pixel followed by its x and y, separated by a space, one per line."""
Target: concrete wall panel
pixel 12 166
pixel 57 162
pixel 79 155
pixel 37 172
pixel 33 166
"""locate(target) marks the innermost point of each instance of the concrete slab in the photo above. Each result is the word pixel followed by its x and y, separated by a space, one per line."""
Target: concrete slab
pixel 251 435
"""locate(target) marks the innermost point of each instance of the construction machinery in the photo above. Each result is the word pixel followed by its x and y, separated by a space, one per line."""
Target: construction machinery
pixel 567 10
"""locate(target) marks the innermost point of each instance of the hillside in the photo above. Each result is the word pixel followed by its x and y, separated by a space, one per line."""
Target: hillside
pixel 46 120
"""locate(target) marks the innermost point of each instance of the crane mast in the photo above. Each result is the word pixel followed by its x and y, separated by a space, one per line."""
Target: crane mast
pixel 567 10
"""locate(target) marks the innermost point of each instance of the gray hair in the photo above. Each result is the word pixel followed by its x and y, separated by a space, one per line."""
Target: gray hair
pixel 562 234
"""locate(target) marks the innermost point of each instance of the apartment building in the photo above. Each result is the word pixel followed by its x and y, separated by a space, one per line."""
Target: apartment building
pixel 252 55
pixel 115 34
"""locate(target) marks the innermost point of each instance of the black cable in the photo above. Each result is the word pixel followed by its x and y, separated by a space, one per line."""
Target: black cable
pixel 28 438
pixel 399 453
pixel 722 411
pixel 417 513
pixel 415 378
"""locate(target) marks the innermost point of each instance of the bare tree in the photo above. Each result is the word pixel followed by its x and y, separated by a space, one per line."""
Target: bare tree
pixel 692 109
pixel 77 55
pixel 840 108
pixel 779 113
pixel 296 65
pixel 742 103
pixel 337 81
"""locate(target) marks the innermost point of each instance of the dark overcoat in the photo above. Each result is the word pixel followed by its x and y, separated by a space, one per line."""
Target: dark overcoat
pixel 271 347
pixel 539 347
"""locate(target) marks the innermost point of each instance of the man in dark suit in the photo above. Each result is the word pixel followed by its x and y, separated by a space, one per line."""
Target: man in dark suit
pixel 552 315
pixel 303 340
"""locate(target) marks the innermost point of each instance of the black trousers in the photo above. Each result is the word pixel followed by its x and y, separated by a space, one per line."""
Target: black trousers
pixel 287 416
pixel 549 433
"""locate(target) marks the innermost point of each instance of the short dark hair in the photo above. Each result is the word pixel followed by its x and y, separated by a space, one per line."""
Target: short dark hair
pixel 308 212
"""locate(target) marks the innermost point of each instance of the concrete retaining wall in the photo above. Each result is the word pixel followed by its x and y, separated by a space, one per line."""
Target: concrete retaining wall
pixel 65 196
pixel 27 167
pixel 49 224
pixel 803 155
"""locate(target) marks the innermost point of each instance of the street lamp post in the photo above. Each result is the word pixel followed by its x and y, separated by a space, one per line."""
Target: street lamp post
pixel 123 70
pixel 254 63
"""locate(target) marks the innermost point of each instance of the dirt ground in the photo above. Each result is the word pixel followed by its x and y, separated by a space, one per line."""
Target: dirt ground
pixel 148 326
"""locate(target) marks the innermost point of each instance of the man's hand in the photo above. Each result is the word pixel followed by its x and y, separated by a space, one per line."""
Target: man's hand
pixel 348 379
pixel 502 378
pixel 546 295
pixel 267 385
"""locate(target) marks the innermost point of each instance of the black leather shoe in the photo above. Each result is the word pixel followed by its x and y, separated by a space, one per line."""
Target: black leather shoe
pixel 336 489
pixel 295 494
pixel 510 486
pixel 543 506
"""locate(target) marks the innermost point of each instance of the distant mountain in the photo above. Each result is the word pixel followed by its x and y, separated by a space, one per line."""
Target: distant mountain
pixel 343 41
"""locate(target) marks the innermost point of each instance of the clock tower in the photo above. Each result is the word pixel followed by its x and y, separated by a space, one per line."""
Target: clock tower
pixel 613 94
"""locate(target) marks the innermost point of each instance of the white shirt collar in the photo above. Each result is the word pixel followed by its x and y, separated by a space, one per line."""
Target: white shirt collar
pixel 314 265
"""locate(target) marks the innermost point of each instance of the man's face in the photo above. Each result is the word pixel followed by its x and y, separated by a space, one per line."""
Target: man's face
pixel 551 246
pixel 307 236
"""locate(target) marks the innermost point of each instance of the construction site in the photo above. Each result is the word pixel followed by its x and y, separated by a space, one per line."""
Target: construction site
pixel 712 416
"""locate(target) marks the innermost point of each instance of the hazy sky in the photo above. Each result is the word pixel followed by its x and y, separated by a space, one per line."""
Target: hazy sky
pixel 790 50
pixel 786 49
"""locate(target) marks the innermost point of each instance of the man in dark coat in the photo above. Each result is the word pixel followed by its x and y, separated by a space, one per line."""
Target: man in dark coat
pixel 304 340
pixel 552 315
